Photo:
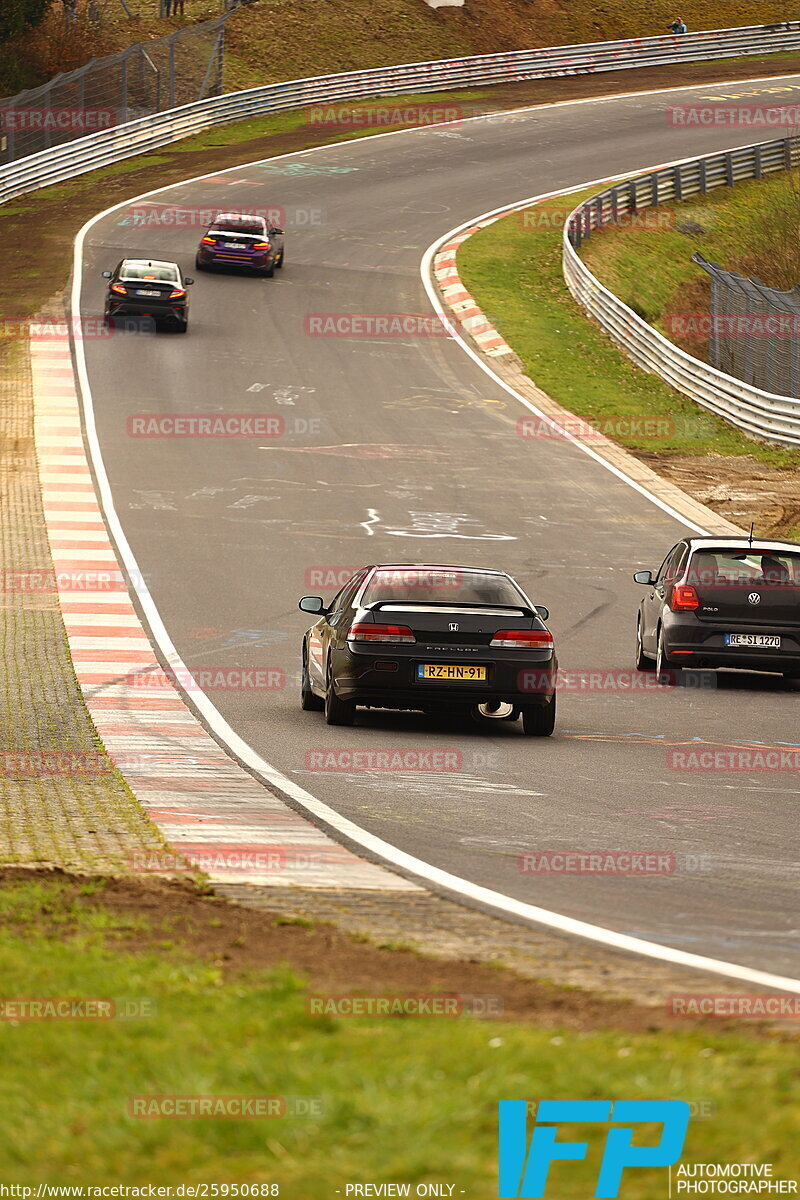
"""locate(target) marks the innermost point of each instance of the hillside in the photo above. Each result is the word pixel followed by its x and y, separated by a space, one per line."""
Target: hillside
pixel 270 40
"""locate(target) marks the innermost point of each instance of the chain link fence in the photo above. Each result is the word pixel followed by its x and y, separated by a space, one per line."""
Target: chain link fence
pixel 148 77
pixel 753 331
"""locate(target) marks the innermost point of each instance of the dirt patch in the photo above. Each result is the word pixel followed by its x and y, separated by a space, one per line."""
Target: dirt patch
pixel 179 917
pixel 737 487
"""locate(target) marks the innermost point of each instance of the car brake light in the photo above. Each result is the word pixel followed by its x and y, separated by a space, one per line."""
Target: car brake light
pixel 260 246
pixel 684 598
pixel 119 289
pixel 210 241
pixel 380 633
pixel 176 292
pixel 535 639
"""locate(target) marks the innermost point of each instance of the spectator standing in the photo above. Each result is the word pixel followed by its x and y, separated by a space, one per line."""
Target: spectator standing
pixel 677 26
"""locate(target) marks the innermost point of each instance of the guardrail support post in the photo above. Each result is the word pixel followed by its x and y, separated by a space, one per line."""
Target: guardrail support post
pixel 654 189
pixel 758 169
pixel 123 89
pixel 678 183
pixel 703 178
pixel 614 205
pixel 729 169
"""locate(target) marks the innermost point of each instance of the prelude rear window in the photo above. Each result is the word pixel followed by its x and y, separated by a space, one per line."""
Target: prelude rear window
pixel 458 586
pixel 729 568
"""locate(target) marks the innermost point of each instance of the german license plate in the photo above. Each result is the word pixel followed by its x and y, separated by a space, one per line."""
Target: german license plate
pixel 753 639
pixel 236 246
pixel 452 672
pixel 145 292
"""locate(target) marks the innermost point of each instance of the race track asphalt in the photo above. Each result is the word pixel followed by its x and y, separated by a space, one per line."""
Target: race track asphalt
pixel 403 449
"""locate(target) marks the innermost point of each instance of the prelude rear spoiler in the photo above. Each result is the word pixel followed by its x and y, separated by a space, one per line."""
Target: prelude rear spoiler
pixel 515 608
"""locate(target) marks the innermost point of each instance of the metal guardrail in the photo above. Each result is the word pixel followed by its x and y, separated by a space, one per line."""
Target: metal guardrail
pixel 148 133
pixel 759 413
pixel 146 78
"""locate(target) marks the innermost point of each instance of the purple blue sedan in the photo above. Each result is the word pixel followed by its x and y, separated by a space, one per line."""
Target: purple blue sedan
pixel 238 240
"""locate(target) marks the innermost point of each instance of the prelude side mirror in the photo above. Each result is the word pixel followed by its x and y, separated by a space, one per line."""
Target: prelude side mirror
pixel 543 611
pixel 106 274
pixel 313 604
pixel 188 281
pixel 276 230
pixel 643 577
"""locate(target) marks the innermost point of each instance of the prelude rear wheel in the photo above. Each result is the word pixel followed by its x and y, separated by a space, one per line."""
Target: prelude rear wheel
pixel 539 720
pixel 309 700
pixel 337 711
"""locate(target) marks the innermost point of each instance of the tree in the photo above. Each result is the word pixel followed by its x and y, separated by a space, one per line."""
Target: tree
pixel 18 15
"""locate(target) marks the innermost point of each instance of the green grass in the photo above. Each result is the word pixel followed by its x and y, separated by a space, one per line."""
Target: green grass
pixel 514 272
pixel 409 1100
pixel 740 228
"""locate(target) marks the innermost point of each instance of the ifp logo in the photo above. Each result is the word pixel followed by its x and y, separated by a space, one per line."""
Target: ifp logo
pixel 523 1170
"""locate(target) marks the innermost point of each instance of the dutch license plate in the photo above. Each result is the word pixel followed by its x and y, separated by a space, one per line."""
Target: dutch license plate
pixel 753 639
pixel 236 246
pixel 451 672
pixel 145 292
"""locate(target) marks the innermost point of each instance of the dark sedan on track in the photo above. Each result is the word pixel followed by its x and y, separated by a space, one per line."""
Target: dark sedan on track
pixel 143 287
pixel 434 638
pixel 722 602
pixel 237 240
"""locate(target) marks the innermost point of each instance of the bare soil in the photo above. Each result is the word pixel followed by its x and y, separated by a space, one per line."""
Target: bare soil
pixel 169 918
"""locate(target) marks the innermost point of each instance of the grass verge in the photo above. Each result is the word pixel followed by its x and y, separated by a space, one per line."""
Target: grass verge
pixel 513 269
pixel 369 1098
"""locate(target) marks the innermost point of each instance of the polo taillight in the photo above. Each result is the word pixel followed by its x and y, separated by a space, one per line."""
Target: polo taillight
pixel 684 598
pixel 363 632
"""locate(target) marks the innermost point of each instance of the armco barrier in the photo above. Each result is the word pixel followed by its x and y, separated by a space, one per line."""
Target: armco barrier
pixel 149 133
pixel 761 414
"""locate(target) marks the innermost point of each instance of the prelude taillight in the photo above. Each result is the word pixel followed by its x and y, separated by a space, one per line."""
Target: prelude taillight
pixel 119 289
pixel 176 292
pixel 210 241
pixel 260 246
pixel 380 633
pixel 684 598
pixel 523 639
